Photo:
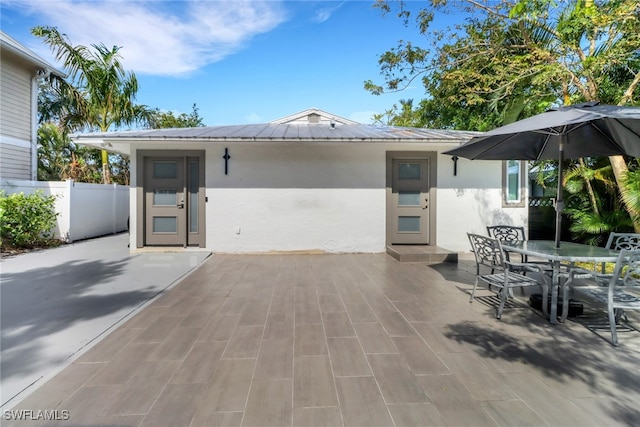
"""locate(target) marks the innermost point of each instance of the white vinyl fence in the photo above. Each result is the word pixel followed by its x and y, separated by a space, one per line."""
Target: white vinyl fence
pixel 84 210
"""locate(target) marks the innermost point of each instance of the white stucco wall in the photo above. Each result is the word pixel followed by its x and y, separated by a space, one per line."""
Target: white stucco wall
pixel 332 197
pixel 296 198
pixel 470 201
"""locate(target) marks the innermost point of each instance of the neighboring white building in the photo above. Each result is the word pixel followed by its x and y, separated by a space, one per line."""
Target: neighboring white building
pixel 20 70
pixel 310 182
pixel 84 210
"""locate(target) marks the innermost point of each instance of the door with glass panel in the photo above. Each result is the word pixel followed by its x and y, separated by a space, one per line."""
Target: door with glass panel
pixel 409 202
pixel 165 203
pixel 172 198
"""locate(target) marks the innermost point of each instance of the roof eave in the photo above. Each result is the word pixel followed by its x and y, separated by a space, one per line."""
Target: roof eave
pixel 106 143
pixel 21 51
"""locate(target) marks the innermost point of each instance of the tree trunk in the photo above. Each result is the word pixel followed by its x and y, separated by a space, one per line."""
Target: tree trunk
pixel 620 170
pixel 592 195
pixel 106 172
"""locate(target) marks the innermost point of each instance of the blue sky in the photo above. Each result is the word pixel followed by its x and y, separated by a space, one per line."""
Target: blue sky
pixel 238 61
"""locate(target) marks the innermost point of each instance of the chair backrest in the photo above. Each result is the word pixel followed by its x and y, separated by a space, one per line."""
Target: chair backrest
pixel 627 270
pixel 619 241
pixel 487 250
pixel 506 233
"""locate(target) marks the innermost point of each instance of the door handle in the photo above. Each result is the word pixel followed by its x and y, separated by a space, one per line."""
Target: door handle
pixel 180 206
pixel 426 203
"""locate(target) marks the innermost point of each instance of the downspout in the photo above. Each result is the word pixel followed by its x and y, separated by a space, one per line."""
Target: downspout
pixel 40 74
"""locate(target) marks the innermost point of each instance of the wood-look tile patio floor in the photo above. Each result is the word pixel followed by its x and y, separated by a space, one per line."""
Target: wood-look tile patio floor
pixel 342 340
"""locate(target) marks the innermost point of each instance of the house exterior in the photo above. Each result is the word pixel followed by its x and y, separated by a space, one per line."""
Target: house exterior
pixel 310 182
pixel 20 70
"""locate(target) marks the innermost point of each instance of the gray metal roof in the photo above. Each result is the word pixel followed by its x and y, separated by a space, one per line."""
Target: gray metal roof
pixel 286 132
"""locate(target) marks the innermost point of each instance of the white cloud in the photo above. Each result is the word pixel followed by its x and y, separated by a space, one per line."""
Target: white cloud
pixel 163 38
pixel 323 14
pixel 253 118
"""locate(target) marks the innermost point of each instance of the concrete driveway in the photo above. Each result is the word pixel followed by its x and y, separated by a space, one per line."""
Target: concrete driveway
pixel 55 304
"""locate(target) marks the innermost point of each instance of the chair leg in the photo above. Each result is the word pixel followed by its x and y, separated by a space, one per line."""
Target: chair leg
pixel 473 292
pixel 612 323
pixel 545 301
pixel 565 302
pixel 503 299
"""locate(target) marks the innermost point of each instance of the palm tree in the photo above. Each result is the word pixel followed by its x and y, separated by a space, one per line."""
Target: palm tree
pixel 101 94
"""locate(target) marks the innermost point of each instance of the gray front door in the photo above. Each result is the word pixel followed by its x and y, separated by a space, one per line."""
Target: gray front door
pixel 409 204
pixel 171 198
pixel 165 202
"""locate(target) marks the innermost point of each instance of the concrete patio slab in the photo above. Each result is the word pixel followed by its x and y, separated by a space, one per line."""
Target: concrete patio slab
pixel 340 340
pixel 56 303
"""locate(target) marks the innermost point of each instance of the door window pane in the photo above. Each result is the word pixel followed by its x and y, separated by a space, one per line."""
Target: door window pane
pixel 409 171
pixel 165 224
pixel 165 170
pixel 165 197
pixel 408 198
pixel 408 224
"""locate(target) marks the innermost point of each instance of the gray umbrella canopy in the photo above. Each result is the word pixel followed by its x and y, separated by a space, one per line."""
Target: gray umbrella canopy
pixel 585 130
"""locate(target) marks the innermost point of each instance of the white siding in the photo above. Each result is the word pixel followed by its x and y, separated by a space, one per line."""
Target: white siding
pixel 15 117
pixel 15 102
pixel 15 161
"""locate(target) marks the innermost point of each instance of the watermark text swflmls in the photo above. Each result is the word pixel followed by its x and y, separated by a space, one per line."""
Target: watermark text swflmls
pixel 37 415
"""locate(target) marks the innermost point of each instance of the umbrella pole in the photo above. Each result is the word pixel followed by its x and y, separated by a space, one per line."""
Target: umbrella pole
pixel 559 200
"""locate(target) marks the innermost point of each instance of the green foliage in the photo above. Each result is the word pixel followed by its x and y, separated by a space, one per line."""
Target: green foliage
pixel 509 60
pixel 597 213
pixel 27 221
pixel 631 191
pixel 60 159
pixel 53 152
pixel 119 169
pixel 407 116
pixel 593 228
pixel 100 94
pixel 163 120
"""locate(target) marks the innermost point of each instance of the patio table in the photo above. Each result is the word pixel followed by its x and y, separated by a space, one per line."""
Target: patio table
pixel 568 252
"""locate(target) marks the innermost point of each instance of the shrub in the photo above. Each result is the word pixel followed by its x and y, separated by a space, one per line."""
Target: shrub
pixel 27 221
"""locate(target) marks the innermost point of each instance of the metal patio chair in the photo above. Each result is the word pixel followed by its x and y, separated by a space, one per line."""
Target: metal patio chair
pixel 493 268
pixel 616 241
pixel 507 233
pixel 619 291
pixel 619 241
pixel 514 233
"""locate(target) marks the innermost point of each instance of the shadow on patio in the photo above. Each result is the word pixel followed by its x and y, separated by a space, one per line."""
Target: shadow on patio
pixel 343 340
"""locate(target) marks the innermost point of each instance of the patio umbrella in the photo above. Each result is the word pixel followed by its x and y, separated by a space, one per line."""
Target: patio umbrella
pixel 584 130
